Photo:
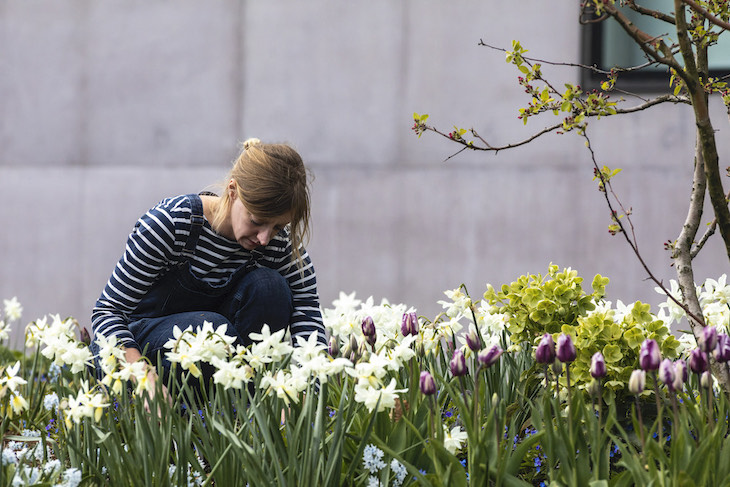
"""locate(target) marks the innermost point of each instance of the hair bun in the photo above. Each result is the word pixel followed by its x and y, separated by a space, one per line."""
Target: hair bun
pixel 250 143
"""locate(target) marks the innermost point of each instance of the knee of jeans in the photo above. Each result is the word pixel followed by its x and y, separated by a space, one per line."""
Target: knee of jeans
pixel 268 286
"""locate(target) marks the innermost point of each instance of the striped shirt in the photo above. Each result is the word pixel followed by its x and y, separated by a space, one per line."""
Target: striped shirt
pixel 156 245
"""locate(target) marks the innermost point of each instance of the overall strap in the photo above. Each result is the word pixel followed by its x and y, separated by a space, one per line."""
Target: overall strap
pixel 197 221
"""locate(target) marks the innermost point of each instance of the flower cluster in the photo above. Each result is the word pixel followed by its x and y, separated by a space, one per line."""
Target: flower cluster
pixel 60 343
pixel 9 382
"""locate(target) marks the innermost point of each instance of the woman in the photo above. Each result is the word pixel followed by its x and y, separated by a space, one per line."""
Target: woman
pixel 235 259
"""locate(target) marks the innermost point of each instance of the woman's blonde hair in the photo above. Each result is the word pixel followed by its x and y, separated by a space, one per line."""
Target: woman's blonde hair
pixel 271 180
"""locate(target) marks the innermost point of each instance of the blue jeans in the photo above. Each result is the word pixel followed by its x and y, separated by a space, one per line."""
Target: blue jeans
pixel 252 297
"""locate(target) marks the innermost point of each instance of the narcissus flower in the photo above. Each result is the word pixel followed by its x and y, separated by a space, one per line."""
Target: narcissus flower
pixel 454 439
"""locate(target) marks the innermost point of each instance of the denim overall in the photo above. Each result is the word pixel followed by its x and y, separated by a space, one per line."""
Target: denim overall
pixel 251 297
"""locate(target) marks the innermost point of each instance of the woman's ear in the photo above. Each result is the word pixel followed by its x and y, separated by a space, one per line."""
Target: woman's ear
pixel 232 187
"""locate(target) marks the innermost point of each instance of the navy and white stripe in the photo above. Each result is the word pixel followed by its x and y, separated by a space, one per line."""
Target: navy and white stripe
pixel 156 245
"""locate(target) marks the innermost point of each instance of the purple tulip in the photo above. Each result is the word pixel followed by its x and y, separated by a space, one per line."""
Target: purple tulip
pixel 649 357
pixel 667 373
pixel 722 350
pixel 698 361
pixel 489 356
pixel 409 324
pixel 545 352
pixel 334 346
pixel 708 339
pixel 472 340
pixel 368 329
pixel 426 383
pixel 565 350
pixel 637 381
pixel 458 364
pixel 681 374
pixel 598 366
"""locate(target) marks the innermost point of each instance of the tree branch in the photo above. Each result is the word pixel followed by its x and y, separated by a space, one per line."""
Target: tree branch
pixel 662 54
pixel 632 240
pixel 707 15
pixel 652 13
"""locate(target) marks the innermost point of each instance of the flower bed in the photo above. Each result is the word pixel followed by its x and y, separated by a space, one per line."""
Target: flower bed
pixel 538 382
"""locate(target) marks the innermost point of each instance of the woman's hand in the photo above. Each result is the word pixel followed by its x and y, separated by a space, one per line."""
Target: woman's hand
pixel 133 355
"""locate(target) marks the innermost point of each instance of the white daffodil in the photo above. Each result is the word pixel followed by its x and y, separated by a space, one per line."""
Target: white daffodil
pixel 284 385
pixel 13 309
pixel 369 396
pixel 454 439
pixel 402 352
pixel 270 344
pixel 18 404
pixel 460 303
pixel 231 374
pixel 308 349
pixel 674 311
pixel 4 330
pixel 10 377
pixel 78 356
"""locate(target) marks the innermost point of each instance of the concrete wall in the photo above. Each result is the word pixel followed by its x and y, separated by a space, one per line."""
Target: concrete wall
pixel 107 107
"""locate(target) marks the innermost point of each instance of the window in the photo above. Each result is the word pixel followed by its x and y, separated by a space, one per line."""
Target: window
pixel 606 44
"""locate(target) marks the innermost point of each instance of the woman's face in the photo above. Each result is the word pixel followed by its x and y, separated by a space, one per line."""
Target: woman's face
pixel 249 230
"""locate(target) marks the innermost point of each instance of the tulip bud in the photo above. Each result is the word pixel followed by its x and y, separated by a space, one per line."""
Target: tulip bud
pixel 472 340
pixel 680 374
pixel 706 379
pixel 594 387
pixel 556 367
pixel 409 324
pixel 565 350
pixel 667 373
pixel 334 346
pixel 368 330
pixel 598 366
pixel 708 339
pixel 489 356
pixel 698 361
pixel 427 384
pixel 458 364
pixel 722 350
pixel 545 352
pixel 649 357
pixel 637 381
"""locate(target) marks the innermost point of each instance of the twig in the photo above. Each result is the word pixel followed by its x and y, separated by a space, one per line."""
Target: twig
pixel 707 15
pixel 632 243
pixel 652 13
pixel 593 67
pixel 708 233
